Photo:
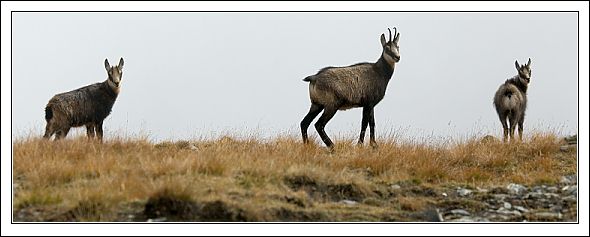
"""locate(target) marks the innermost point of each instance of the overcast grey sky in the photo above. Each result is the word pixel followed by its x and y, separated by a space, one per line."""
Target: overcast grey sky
pixel 189 75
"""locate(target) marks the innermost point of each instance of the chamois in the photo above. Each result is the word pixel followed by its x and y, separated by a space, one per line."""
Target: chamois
pixel 359 85
pixel 87 106
pixel 510 100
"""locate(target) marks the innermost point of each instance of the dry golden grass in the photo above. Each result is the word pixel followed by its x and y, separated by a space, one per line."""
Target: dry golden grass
pixel 253 180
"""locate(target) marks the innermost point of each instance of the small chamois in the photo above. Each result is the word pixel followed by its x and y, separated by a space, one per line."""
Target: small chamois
pixel 87 106
pixel 510 100
pixel 359 85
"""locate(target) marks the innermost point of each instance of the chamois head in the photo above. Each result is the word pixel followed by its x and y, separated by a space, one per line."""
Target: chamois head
pixel 115 73
pixel 524 72
pixel 391 47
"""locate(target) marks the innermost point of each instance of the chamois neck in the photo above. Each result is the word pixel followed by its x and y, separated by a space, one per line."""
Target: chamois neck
pixel 111 88
pixel 517 81
pixel 384 67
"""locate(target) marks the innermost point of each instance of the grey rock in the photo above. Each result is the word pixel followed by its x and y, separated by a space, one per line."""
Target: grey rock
pixel 159 219
pixel 500 196
pixel 570 199
pixel 552 189
pixel 507 212
pixel 495 217
pixel 516 188
pixel 395 187
pixel 534 195
pixel 571 139
pixel 570 190
pixel 556 208
pixel 568 179
pixel 348 202
pixel 444 194
pixel 551 195
pixel 463 192
pixel 432 215
pixel 507 205
pixel 548 215
pixel 470 219
pixel 482 190
pixel 460 212
pixel 520 209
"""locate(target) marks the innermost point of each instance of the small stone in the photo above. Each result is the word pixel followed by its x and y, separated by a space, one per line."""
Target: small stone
pixel 571 199
pixel 548 215
pixel 463 192
pixel 516 188
pixel 551 195
pixel 470 219
pixel 395 186
pixel 568 179
pixel 504 211
pixel 571 190
pixel 349 202
pixel 193 147
pixel 444 194
pixel 482 190
pixel 432 215
pixel 552 189
pixel 500 196
pixel 507 205
pixel 521 209
pixel 460 212
pixel 571 139
pixel 159 219
pixel 534 195
pixel 556 208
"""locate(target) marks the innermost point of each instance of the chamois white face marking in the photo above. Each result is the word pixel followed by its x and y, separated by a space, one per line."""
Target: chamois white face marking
pixel 115 74
pixel 391 48
pixel 388 59
pixel 524 72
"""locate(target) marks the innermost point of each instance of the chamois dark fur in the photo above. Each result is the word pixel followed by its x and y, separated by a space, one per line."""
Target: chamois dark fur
pixel 87 106
pixel 358 85
pixel 510 101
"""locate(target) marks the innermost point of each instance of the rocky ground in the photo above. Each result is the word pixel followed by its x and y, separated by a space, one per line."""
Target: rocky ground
pixel 513 202
pixel 312 201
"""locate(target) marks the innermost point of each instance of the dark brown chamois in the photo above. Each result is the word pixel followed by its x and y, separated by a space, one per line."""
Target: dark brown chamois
pixel 87 106
pixel 510 100
pixel 359 85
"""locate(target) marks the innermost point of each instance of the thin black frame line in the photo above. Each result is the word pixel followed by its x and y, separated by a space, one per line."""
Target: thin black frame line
pixel 12 151
pixel 297 11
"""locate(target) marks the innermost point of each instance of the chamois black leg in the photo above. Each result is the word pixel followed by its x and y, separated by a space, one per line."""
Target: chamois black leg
pixel 364 124
pixel 90 130
pixel 99 130
pixel 372 127
pixel 314 110
pixel 328 114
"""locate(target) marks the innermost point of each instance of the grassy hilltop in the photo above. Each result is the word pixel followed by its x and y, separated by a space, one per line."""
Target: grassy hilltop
pixel 280 179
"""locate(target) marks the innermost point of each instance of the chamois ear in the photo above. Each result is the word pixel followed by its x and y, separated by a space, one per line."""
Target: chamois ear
pixel 516 64
pixel 383 41
pixel 121 63
pixel 396 38
pixel 107 66
pixel 528 64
